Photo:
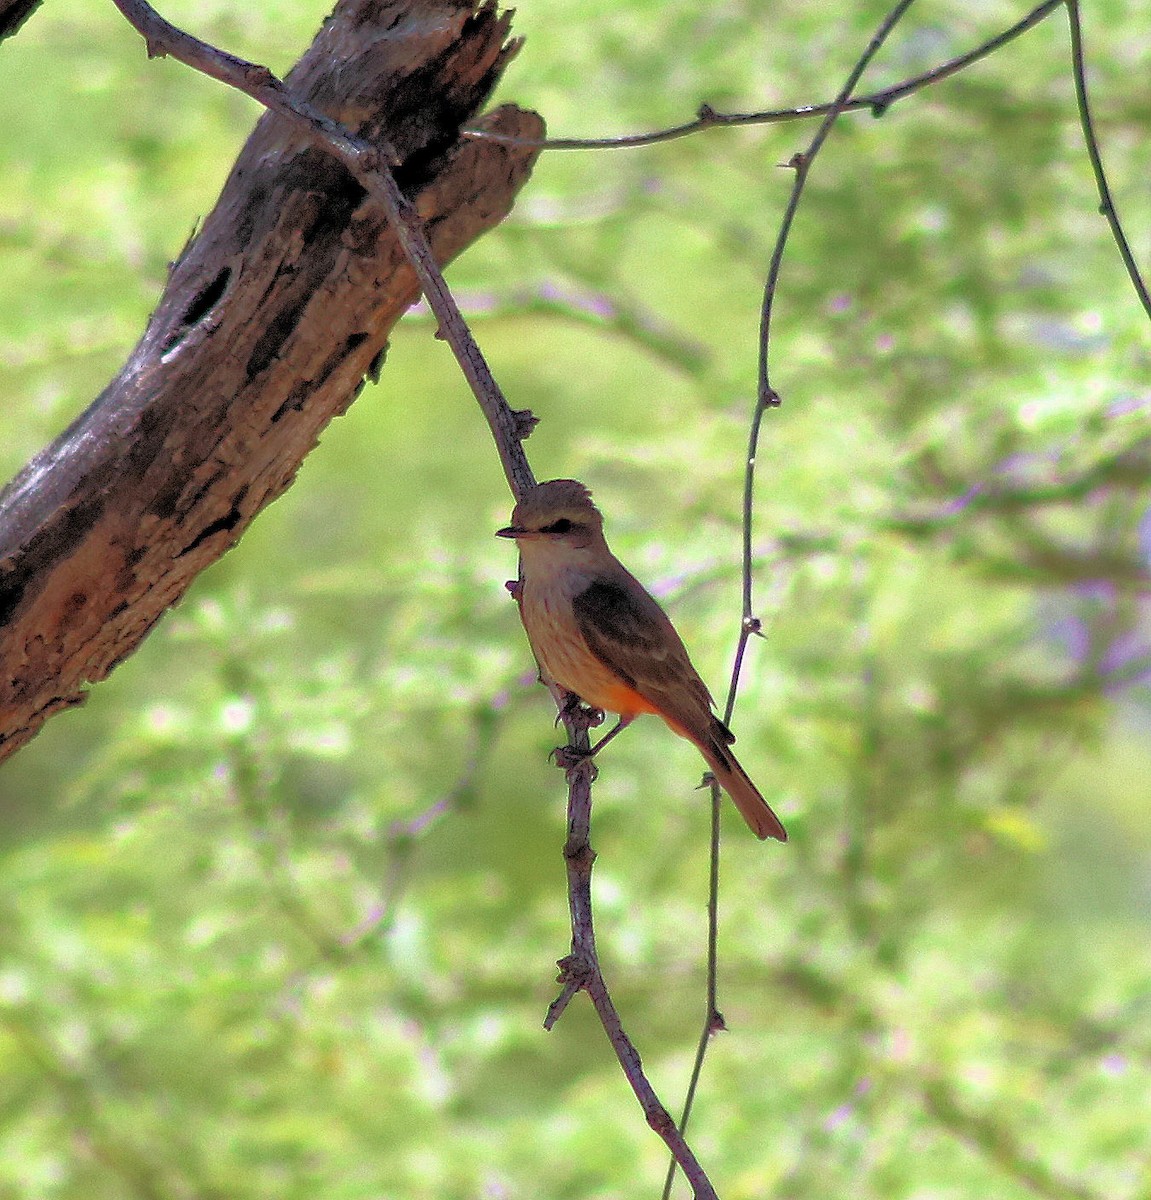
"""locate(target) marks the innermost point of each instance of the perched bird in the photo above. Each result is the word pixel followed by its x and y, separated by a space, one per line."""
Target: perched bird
pixel 597 632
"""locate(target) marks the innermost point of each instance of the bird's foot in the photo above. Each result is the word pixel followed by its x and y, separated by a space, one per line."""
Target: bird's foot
pixel 573 706
pixel 567 758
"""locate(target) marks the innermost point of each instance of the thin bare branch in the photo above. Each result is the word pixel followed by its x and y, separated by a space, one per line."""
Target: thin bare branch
pixel 1106 204
pixel 749 623
pixel 713 1022
pixel 710 118
pixel 766 396
pixel 802 164
pixel 580 970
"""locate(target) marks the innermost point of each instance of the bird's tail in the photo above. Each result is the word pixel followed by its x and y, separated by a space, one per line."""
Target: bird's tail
pixel 735 781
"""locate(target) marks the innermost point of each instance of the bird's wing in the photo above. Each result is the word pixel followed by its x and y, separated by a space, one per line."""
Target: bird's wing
pixel 629 632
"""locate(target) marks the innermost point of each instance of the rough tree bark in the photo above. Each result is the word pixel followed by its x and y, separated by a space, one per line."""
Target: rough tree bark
pixel 13 14
pixel 271 319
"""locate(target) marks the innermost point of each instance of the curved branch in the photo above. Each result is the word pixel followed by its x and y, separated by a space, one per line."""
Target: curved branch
pixel 710 118
pixel 750 624
pixel 1106 204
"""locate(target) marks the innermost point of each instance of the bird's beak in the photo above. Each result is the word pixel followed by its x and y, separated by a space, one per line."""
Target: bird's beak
pixel 510 531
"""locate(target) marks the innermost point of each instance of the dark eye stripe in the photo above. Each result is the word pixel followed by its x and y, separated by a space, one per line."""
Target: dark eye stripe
pixel 563 525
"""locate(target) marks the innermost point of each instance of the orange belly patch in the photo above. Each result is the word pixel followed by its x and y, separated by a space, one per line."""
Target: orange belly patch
pixel 623 700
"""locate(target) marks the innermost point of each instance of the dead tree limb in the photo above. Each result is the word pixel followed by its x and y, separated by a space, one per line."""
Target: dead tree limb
pixel 271 319
pixel 13 14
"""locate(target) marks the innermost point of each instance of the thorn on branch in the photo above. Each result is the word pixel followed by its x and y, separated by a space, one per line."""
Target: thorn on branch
pixel 525 421
pixel 575 969
pixel 706 115
pixel 716 1023
pixel 753 625
pixel 575 974
pixel 557 1006
pixel 879 108
pixel 570 706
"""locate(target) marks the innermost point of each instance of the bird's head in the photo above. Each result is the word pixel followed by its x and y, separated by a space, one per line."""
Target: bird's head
pixel 559 513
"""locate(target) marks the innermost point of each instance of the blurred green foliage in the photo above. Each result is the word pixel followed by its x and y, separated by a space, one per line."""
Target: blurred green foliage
pixel 279 906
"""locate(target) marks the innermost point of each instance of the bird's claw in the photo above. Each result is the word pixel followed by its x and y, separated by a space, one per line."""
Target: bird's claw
pixel 573 706
pixel 567 758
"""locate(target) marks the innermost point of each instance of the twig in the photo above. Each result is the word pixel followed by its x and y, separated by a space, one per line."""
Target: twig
pixel 750 624
pixel 802 164
pixel 710 118
pixel 580 970
pixel 269 323
pixel 713 1021
pixel 766 396
pixel 1106 205
pixel 371 167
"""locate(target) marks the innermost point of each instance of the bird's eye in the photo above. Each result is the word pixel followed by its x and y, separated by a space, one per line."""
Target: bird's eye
pixel 563 525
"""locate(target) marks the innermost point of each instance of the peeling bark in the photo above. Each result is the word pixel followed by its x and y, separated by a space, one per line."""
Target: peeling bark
pixel 270 321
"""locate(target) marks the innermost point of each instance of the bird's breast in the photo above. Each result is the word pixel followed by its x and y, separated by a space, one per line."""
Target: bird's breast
pixel 559 645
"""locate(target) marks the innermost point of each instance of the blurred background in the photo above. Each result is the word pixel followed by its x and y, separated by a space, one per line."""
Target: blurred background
pixel 280 905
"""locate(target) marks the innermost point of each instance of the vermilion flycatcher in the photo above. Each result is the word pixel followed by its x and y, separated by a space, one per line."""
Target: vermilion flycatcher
pixel 597 632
